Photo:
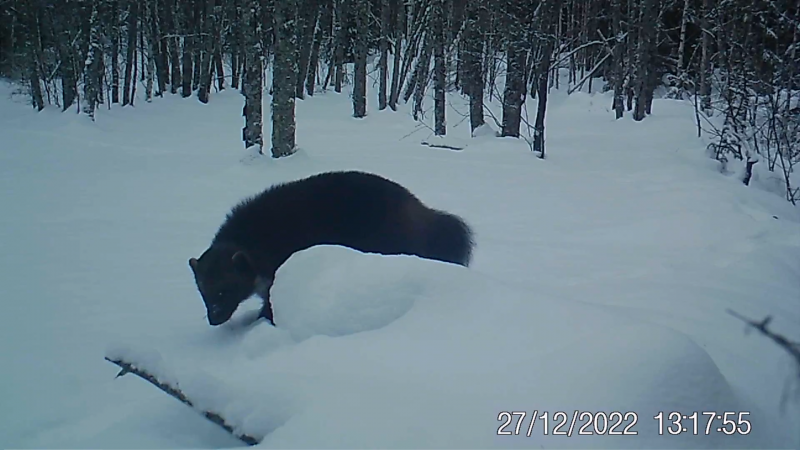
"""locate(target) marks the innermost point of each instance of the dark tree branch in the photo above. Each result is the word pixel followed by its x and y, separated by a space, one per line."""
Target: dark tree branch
pixel 792 347
pixel 176 393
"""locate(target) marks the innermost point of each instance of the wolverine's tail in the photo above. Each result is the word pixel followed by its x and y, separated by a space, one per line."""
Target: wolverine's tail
pixel 449 239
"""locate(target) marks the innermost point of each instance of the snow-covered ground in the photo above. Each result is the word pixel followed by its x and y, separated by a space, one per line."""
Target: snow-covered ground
pixel 600 283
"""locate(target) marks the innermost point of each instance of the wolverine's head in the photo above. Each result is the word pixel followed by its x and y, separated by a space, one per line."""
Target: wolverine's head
pixel 225 277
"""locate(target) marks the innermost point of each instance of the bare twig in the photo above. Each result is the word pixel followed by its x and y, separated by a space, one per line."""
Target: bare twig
pixel 793 348
pixel 176 393
pixel 449 147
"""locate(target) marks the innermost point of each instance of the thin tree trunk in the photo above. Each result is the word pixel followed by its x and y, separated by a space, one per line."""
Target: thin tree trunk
pixel 473 61
pixel 207 63
pixel 172 45
pixel 360 49
pixel 319 34
pixel 187 50
pixel 618 60
pixel 307 18
pixel 340 34
pixel 115 41
pixel 130 60
pixel 394 92
pixel 705 59
pixel 439 69
pixel 383 63
pixel 422 74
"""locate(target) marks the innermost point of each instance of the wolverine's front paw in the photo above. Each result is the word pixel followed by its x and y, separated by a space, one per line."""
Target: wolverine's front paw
pixel 266 313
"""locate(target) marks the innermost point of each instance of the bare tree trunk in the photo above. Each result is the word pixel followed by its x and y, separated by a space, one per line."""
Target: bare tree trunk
pixel 618 60
pixel 199 42
pixel 219 70
pixel 439 69
pixel 705 59
pixel 422 74
pixel 339 37
pixel 187 49
pixel 631 41
pixel 642 60
pixel 130 60
pixel 284 79
pixel 515 90
pixel 394 92
pixel 473 57
pixel 383 63
pixel 542 88
pixel 237 54
pixel 360 49
pixel 207 62
pixel 682 80
pixel 308 17
pixel 91 72
pixel 158 47
pixel 253 132
pixel 115 40
pixel 150 54
pixel 172 44
pixel 319 33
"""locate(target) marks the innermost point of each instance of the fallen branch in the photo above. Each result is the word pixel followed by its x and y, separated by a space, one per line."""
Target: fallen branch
pixel 176 393
pixel 793 348
pixel 449 147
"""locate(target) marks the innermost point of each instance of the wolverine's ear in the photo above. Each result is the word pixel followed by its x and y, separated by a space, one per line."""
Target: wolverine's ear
pixel 242 263
pixel 193 263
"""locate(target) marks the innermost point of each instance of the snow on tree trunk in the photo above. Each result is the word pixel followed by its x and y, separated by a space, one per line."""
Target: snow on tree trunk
pixel 618 60
pixel 130 60
pixel 284 79
pixel 422 75
pixel 383 62
pixel 91 72
pixel 360 50
pixel 151 54
pixel 705 59
pixel 514 93
pixel 339 33
pixel 439 69
pixel 253 132
pixel 115 41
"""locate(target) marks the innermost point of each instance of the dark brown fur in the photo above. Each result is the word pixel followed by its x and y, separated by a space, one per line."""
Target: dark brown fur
pixel 359 210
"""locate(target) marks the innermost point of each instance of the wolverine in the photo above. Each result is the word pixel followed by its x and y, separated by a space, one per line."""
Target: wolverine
pixel 359 210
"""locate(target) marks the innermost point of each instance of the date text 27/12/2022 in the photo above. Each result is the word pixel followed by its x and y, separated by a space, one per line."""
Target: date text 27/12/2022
pixel 615 423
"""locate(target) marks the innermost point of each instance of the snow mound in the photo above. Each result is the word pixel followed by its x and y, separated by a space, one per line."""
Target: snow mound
pixel 336 291
pixel 456 329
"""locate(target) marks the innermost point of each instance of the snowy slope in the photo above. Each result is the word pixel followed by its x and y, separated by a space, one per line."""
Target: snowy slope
pixel 600 283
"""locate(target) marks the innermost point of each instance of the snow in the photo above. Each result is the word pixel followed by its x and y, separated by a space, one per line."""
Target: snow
pixel 600 282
